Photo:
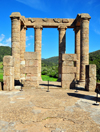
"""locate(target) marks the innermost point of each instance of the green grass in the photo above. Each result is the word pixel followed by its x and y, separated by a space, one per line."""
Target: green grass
pixel 1 77
pixel 46 78
pixel 1 65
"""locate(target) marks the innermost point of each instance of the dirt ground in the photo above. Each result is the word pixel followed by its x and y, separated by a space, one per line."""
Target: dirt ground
pixel 60 110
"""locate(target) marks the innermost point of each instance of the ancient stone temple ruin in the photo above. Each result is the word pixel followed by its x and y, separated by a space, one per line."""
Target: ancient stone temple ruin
pixel 26 66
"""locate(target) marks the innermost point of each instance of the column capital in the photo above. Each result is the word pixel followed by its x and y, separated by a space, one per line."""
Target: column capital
pixel 62 27
pixel 38 27
pixel 15 15
pixel 85 16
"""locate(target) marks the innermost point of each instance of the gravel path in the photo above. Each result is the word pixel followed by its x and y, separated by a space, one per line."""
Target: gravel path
pixel 60 110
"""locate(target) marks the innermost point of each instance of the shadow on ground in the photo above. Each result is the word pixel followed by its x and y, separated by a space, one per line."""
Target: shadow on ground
pixel 53 85
pixel 88 97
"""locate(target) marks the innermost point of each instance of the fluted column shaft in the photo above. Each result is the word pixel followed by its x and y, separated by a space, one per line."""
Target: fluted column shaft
pixel 84 47
pixel 77 51
pixel 15 40
pixel 38 41
pixel 62 48
pixel 22 50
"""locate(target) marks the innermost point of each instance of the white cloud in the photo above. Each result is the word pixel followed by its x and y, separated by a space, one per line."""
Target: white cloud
pixel 29 37
pixel 36 4
pixel 5 42
pixel 2 37
pixel 8 40
pixel 28 45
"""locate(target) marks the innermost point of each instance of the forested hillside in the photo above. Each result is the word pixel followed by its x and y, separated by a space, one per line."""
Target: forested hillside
pixel 50 65
pixel 50 61
pixel 4 50
pixel 94 58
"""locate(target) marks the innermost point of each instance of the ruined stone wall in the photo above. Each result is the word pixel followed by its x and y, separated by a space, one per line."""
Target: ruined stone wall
pixel 8 75
pixel 68 71
pixel 81 27
pixel 31 69
pixel 91 77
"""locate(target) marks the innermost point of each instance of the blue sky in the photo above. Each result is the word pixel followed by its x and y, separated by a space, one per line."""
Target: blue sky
pixel 50 9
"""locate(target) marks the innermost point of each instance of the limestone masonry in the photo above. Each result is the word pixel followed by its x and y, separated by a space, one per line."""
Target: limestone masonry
pixel 27 66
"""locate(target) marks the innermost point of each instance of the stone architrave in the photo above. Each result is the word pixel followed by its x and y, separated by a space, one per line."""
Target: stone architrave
pixel 84 46
pixel 77 51
pixel 15 40
pixel 22 50
pixel 62 48
pixel 38 45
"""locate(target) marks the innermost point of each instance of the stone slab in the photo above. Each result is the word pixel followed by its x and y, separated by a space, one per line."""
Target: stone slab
pixel 68 77
pixel 68 69
pixel 69 57
pixel 8 61
pixel 31 55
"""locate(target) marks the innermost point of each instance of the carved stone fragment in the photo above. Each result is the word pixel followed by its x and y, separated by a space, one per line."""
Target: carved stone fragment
pixel 45 19
pixel 65 20
pixel 57 20
pixel 31 19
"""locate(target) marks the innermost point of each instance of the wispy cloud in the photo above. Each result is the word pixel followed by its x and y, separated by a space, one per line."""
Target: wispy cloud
pixel 90 2
pixel 36 4
pixel 97 32
pixel 2 37
pixel 8 40
pixel 28 45
pixel 29 37
pixel 5 42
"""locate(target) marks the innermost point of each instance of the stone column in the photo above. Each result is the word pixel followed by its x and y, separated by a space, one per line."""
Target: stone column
pixel 77 51
pixel 84 46
pixel 22 50
pixel 38 41
pixel 62 48
pixel 15 40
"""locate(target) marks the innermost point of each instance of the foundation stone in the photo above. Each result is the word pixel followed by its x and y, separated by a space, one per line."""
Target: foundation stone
pixel 8 76
pixel 31 69
pixel 91 77
pixel 68 70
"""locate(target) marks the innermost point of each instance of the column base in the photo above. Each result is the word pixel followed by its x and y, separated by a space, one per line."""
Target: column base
pixel 82 83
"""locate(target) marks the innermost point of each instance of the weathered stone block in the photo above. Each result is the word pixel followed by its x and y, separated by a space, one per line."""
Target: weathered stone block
pixel 8 71
pixel 32 77
pixel 67 63
pixel 8 83
pixel 31 63
pixel 8 61
pixel 90 77
pixel 69 57
pixel 68 77
pixel 68 84
pixel 30 55
pixel 31 83
pixel 32 70
pixel 68 69
pixel 22 70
